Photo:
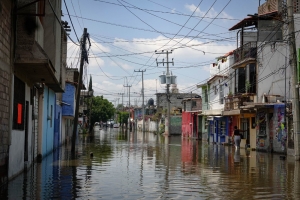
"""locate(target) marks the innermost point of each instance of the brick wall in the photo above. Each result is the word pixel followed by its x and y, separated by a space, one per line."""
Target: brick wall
pixel 5 36
pixel 5 62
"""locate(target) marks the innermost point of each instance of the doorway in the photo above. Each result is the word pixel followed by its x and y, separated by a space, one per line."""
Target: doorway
pixel 245 127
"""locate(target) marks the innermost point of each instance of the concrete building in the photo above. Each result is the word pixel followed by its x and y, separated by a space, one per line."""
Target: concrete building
pixel 68 104
pixel 215 126
pixel 192 107
pixel 176 107
pixel 39 66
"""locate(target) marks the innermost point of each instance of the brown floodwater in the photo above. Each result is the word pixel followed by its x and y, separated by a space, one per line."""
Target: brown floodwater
pixel 137 166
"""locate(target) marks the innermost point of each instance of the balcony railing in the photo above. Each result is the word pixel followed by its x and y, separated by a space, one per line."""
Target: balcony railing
pixel 246 51
pixel 236 101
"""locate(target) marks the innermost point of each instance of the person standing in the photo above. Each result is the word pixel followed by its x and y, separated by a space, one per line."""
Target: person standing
pixel 237 137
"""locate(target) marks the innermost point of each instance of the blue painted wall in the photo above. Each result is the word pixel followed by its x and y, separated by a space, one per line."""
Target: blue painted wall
pixel 68 97
pixel 57 129
pixel 138 113
pixel 48 120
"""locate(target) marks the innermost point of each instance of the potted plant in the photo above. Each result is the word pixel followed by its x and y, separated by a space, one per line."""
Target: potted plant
pixel 248 85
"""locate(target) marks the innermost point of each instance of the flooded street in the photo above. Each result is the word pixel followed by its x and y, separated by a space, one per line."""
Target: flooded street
pixel 116 165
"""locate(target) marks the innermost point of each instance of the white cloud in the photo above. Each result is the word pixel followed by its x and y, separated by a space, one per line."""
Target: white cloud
pixel 210 14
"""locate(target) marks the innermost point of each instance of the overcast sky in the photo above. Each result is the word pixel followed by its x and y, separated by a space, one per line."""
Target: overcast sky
pixel 125 34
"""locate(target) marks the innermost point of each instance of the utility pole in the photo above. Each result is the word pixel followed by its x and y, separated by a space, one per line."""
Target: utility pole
pixel 167 128
pixel 121 120
pixel 191 101
pixel 295 83
pixel 83 58
pixel 122 100
pixel 129 86
pixel 143 106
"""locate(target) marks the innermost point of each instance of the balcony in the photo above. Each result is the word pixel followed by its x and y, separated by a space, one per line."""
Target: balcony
pixel 245 55
pixel 235 102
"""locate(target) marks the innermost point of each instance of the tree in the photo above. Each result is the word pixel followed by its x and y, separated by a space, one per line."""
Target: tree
pixel 123 118
pixel 102 109
pixel 119 107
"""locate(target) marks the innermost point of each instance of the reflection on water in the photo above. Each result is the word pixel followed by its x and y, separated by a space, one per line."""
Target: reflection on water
pixel 115 164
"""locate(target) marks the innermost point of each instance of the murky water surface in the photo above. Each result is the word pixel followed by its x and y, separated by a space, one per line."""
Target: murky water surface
pixel 133 166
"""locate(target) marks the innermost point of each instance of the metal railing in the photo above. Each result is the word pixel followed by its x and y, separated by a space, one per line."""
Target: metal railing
pixel 236 101
pixel 249 50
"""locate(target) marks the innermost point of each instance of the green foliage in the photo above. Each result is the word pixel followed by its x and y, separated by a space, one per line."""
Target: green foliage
pixel 101 109
pixel 248 85
pixel 123 117
pixel 161 128
pixel 119 107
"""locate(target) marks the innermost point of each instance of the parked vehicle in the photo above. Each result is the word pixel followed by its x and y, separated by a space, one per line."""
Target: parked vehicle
pixel 97 126
pixel 110 123
pixel 116 125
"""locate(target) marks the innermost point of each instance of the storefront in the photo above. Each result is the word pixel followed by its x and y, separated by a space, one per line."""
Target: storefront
pixel 271 128
pixel 218 129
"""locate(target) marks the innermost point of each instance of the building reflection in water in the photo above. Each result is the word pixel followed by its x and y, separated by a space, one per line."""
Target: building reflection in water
pixel 130 165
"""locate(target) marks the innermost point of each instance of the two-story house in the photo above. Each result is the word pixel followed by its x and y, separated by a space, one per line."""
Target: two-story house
pixel 215 126
pixel 190 110
pixel 39 43
pixel 175 98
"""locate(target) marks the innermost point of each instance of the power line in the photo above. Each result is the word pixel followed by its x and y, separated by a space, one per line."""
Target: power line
pixel 71 20
pixel 59 21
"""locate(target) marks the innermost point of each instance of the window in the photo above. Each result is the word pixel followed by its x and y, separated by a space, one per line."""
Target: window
pixel 252 78
pixel 221 94
pixel 215 89
pixel 205 95
pixel 194 103
pixel 241 81
pixel 18 104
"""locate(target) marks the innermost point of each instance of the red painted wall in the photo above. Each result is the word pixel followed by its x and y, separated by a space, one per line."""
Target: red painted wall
pixel 188 125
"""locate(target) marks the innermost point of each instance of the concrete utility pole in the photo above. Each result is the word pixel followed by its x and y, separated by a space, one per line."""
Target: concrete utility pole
pixel 167 128
pixel 129 86
pixel 295 83
pixel 83 58
pixel 143 106
pixel 122 100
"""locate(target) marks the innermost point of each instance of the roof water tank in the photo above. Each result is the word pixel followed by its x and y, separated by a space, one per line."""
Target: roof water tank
pixel 150 102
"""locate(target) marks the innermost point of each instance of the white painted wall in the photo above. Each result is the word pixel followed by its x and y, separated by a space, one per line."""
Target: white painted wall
pixel 150 126
pixel 297 30
pixel 214 98
pixel 16 149
pixel 270 60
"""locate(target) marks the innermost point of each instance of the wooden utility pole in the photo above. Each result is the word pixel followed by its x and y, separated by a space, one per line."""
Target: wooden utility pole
pixel 295 83
pixel 143 106
pixel 83 58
